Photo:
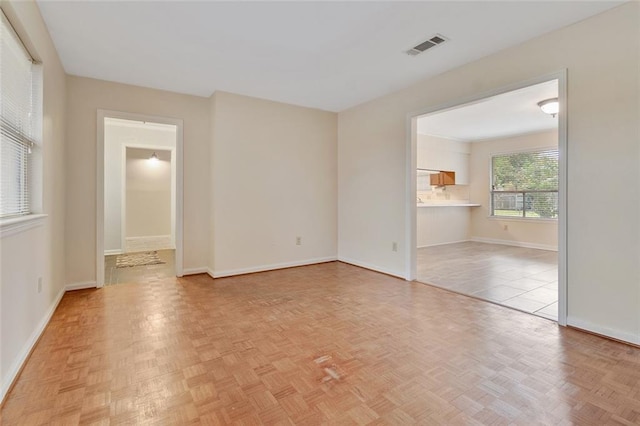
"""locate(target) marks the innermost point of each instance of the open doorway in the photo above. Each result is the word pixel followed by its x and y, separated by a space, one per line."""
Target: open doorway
pixel 489 194
pixel 139 189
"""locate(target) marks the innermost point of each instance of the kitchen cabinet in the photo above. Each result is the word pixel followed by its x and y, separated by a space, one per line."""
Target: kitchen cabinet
pixel 443 178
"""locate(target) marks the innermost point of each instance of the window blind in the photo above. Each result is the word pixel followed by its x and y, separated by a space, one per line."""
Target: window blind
pixel 20 116
pixel 525 184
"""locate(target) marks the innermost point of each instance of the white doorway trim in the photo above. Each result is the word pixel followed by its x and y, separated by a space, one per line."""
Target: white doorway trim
pixel 101 115
pixel 411 165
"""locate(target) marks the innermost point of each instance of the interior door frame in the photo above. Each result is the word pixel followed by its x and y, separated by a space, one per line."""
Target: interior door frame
pixel 179 214
pixel 411 162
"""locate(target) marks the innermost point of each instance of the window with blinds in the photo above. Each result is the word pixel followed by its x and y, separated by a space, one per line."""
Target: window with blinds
pixel 525 184
pixel 20 122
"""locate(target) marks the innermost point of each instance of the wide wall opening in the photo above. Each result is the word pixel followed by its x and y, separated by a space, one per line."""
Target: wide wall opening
pixel 487 199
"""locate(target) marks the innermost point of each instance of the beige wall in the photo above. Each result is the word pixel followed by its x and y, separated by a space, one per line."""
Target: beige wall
pixel 437 153
pixel 37 252
pixel 84 97
pixel 274 179
pixel 148 193
pixel 602 57
pixel 116 136
pixel 529 233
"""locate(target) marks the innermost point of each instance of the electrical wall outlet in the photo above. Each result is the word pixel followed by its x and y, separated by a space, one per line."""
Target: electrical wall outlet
pixel 394 246
pixel 40 285
pixel 505 227
pixel 298 241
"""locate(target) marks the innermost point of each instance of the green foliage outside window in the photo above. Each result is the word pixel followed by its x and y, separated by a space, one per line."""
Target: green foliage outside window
pixel 525 184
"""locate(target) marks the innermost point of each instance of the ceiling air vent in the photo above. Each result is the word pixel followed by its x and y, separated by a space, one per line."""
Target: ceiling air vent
pixel 426 45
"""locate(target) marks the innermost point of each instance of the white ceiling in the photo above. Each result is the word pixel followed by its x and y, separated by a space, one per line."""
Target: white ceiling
pixel 508 114
pixel 327 55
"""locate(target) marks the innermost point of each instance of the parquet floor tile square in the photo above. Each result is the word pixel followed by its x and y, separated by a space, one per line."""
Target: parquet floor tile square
pixel 321 344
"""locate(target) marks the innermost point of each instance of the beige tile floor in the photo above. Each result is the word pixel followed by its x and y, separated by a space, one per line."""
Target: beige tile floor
pixel 113 275
pixel 521 278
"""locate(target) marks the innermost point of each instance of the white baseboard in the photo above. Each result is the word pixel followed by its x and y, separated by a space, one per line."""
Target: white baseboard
pixel 155 242
pixel 625 336
pixel 194 271
pixel 80 286
pixel 263 268
pixel 22 356
pixel 112 252
pixel 514 243
pixel 371 267
pixel 443 244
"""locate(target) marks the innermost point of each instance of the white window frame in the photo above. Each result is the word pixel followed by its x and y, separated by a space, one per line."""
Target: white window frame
pixel 523 192
pixel 33 217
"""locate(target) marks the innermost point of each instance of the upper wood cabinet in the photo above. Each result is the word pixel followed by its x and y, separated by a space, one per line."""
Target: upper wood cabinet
pixel 443 178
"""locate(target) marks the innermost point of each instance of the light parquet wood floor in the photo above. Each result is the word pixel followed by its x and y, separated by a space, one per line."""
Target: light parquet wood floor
pixel 322 344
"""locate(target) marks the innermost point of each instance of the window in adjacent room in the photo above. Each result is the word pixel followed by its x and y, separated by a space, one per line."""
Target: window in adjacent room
pixel 525 184
pixel 20 126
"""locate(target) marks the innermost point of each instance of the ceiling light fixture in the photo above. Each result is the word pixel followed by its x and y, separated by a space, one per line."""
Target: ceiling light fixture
pixel 550 106
pixel 154 157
